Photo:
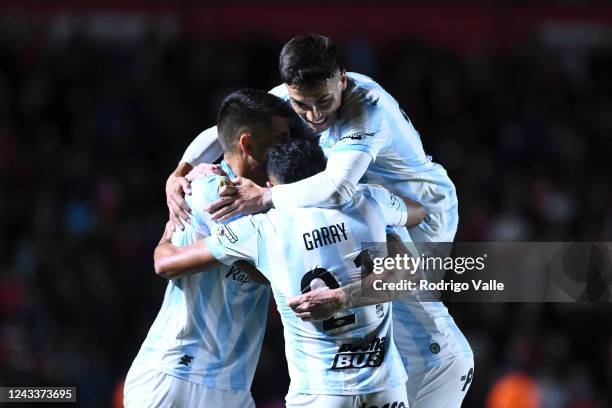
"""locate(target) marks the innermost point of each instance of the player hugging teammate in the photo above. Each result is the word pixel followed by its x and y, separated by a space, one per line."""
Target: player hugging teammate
pixel 343 349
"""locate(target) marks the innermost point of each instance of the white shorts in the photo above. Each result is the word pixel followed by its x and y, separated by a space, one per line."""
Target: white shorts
pixel 443 386
pixel 146 387
pixel 391 398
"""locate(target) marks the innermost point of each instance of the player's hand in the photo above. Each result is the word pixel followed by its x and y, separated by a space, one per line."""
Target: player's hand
pixel 204 169
pixel 176 188
pixel 318 304
pixel 242 198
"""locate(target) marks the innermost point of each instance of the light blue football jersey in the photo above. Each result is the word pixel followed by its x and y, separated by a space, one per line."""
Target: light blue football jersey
pixel 301 249
pixel 370 120
pixel 211 325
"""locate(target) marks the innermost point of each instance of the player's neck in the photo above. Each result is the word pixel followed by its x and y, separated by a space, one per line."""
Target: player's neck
pixel 245 169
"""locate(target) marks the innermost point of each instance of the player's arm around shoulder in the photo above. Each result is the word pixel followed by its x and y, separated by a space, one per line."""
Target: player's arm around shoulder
pixel 172 262
pixel 204 148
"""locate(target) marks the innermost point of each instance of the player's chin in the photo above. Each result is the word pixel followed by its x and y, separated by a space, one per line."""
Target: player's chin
pixel 320 127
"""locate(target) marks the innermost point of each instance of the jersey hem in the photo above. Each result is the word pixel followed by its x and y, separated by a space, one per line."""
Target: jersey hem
pixel 215 386
pixel 190 378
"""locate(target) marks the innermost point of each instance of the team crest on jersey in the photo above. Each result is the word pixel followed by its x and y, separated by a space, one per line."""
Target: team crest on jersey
pixel 356 136
pixel 367 355
pixel 224 231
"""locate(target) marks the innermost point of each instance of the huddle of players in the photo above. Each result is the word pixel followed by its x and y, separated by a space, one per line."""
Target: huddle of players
pixel 203 347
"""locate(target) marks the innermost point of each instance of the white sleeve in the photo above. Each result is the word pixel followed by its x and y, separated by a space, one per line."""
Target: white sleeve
pixel 235 241
pixel 280 91
pixel 335 185
pixel 205 148
pixel 393 208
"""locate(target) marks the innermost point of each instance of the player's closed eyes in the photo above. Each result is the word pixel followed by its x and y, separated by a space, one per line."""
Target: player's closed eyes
pixel 299 104
pixel 324 104
pixel 320 105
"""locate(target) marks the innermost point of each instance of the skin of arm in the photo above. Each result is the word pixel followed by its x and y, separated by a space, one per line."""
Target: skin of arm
pixel 173 262
pixel 416 212
pixel 323 304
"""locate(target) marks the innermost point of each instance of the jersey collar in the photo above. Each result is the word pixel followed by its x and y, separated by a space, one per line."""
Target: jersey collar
pixel 227 169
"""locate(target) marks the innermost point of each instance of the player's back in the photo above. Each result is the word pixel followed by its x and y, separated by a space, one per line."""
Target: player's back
pixel 302 249
pixel 210 327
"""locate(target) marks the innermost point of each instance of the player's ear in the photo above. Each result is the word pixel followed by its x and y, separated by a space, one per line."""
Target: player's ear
pixel 343 80
pixel 245 143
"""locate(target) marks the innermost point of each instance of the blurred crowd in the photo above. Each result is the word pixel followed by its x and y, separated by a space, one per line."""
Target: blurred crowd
pixel 90 129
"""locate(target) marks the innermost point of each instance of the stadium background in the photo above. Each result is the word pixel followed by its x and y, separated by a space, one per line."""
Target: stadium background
pixel 99 99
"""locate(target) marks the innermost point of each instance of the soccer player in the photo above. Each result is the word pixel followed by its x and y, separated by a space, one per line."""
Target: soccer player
pixel 348 360
pixel 366 137
pixel 205 342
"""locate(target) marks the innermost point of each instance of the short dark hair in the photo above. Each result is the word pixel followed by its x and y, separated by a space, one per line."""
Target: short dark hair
pixel 248 109
pixel 293 159
pixel 307 60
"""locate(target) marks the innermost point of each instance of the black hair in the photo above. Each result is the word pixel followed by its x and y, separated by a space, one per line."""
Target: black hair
pixel 307 60
pixel 293 159
pixel 249 110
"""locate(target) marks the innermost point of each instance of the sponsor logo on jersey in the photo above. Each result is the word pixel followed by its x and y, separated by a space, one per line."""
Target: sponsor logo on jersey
pixel 394 404
pixel 238 275
pixel 356 136
pixel 366 355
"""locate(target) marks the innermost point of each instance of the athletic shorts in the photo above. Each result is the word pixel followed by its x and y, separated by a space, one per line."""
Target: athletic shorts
pixel 151 388
pixel 443 386
pixel 390 398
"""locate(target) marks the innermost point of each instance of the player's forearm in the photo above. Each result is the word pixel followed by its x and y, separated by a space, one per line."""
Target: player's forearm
pixel 362 293
pixel 416 212
pixel 173 262
pixel 162 253
pixel 315 191
pixel 182 170
pixel 370 290
pixel 336 184
pixel 165 261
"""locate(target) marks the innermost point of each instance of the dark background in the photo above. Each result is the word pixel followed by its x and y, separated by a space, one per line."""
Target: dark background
pixel 98 100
